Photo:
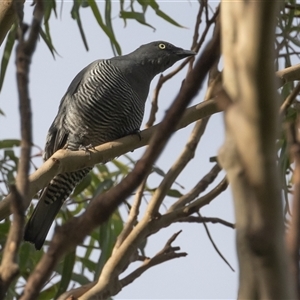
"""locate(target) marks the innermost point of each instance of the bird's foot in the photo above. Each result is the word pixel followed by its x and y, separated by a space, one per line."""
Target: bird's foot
pixel 87 148
pixel 138 133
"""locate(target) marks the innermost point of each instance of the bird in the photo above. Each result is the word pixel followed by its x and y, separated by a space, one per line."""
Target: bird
pixel 104 102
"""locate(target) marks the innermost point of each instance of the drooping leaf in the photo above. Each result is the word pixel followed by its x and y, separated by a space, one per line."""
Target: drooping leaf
pixel 67 272
pixel 81 279
pixel 10 41
pixel 108 22
pixel 88 264
pixel 108 234
pixel 153 4
pixel 76 16
pixel 121 166
pixel 82 185
pixel 104 27
pixel 139 17
pixel 50 292
pixel 48 42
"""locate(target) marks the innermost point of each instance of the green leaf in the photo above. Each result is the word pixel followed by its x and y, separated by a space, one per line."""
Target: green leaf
pixel 103 186
pixel 67 272
pixel 9 143
pixel 11 155
pixel 25 252
pixel 91 245
pixel 171 192
pixel 174 193
pixel 122 167
pixel 108 234
pixel 76 16
pixel 139 17
pixel 50 292
pixel 82 185
pixel 158 171
pixel 10 41
pixel 108 22
pixel 155 7
pixel 48 42
pixel 106 29
pixel 81 279
pixel 49 7
pixel 87 263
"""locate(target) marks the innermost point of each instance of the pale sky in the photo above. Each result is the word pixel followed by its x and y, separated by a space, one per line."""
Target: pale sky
pixel 202 274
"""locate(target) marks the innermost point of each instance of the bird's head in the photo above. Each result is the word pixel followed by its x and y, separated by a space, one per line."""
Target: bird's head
pixel 160 55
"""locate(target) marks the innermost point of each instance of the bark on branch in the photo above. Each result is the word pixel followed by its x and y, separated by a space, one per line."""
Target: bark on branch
pixel 249 152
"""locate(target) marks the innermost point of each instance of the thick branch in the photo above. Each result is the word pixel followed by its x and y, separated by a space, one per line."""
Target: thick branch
pixel 249 152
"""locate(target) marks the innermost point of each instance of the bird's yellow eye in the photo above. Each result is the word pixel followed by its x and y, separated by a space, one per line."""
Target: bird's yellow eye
pixel 162 46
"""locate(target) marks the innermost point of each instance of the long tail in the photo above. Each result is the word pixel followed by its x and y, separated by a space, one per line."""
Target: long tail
pixel 50 202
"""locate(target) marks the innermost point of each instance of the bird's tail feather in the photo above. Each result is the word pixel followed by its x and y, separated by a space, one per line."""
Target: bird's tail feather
pixel 40 222
pixel 50 202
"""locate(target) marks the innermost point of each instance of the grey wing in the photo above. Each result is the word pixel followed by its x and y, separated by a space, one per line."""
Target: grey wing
pixel 57 136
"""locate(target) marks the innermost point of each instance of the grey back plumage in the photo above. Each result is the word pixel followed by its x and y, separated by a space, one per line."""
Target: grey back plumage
pixel 104 102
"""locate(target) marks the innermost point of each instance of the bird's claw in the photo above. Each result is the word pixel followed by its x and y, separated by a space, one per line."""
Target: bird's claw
pixel 87 148
pixel 138 133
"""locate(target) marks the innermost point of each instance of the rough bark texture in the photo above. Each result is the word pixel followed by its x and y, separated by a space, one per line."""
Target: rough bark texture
pixel 249 153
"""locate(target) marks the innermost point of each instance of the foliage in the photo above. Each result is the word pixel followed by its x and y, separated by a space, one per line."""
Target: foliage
pixel 135 11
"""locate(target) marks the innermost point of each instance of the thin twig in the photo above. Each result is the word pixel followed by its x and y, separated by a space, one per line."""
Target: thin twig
pixel 200 187
pixel 290 99
pixel 215 246
pixel 193 219
pixel 206 199
pixel 167 253
pixel 134 212
pixel 180 163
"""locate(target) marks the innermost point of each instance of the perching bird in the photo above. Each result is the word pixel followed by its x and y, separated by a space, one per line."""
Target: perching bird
pixel 104 102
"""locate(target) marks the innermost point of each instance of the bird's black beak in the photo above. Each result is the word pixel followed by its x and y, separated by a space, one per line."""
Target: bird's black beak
pixel 184 53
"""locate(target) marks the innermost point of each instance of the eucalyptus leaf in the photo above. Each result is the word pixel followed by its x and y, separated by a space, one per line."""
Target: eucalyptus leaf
pixel 10 41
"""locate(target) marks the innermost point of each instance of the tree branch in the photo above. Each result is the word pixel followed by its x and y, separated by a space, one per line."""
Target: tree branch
pixel 20 192
pixel 194 219
pixel 249 151
pixel 290 99
pixel 200 187
pixel 67 161
pixel 167 253
pixel 103 205
pixel 289 74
